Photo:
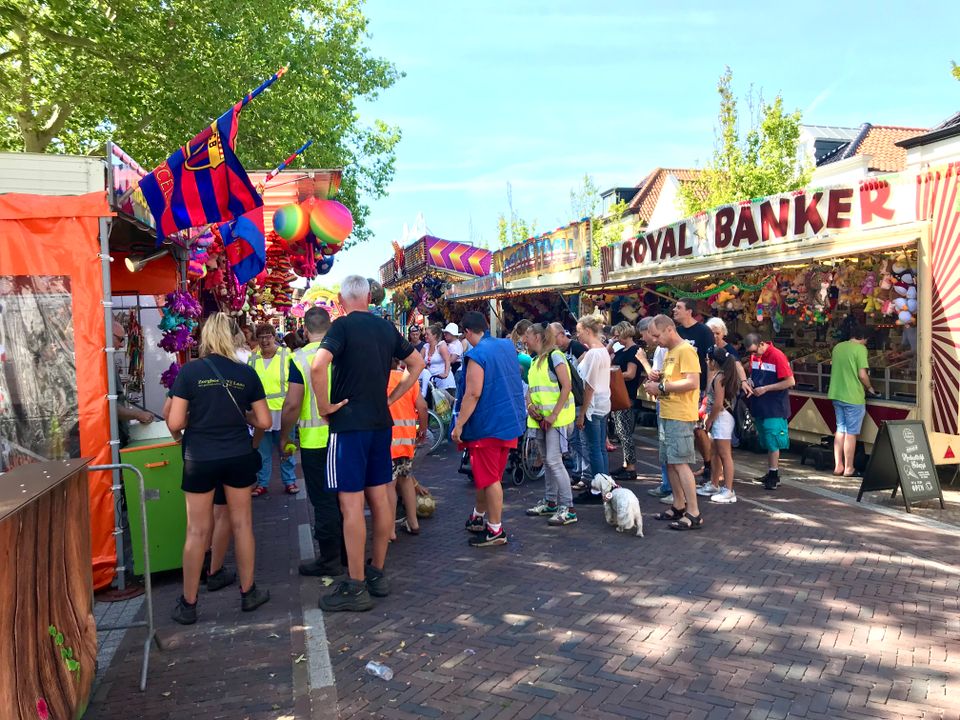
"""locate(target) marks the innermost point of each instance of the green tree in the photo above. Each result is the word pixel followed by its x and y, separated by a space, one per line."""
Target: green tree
pixel 762 161
pixel 585 199
pixel 514 230
pixel 956 70
pixel 151 74
pixel 607 230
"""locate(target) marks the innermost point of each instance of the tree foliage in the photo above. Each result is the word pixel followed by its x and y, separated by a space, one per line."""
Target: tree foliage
pixel 514 230
pixel 585 199
pixel 762 161
pixel 150 74
pixel 956 70
pixel 608 229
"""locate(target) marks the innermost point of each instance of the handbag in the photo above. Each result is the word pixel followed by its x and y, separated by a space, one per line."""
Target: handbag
pixel 745 433
pixel 619 397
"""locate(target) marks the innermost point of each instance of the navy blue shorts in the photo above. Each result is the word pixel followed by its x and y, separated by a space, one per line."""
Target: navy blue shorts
pixel 358 460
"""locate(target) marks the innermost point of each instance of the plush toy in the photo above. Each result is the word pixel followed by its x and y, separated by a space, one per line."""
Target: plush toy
pixel 905 304
pixel 869 284
pixel 768 301
pixel 872 304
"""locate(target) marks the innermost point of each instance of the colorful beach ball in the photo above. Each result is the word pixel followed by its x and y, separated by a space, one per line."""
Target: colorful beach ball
pixel 291 223
pixel 331 222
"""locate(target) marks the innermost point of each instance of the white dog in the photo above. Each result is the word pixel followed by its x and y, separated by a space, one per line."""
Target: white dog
pixel 620 506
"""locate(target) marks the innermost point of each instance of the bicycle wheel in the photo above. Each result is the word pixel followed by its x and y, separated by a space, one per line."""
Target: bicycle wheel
pixel 435 432
pixel 531 460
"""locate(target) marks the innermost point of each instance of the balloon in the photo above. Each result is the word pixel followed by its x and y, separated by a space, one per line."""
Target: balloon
pixel 905 318
pixel 912 305
pixel 291 223
pixel 325 265
pixel 331 222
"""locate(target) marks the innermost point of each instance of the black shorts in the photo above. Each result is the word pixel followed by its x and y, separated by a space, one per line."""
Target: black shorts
pixel 203 476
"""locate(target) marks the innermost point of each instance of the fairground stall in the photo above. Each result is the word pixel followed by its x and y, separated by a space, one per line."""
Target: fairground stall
pixel 419 275
pixel 542 276
pixel 802 266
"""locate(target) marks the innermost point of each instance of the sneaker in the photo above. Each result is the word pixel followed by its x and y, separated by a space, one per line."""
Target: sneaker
pixel 658 492
pixel 544 507
pixel 667 499
pixel 563 516
pixel 320 568
pixel 707 489
pixel 624 475
pixel 488 538
pixel 771 484
pixel 377 583
pixel 184 613
pixel 347 596
pixel 724 496
pixel 253 598
pixel 220 579
pixel 587 497
pixel 475 524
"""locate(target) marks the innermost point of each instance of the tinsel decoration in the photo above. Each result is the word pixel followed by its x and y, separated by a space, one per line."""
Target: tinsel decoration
pixel 168 376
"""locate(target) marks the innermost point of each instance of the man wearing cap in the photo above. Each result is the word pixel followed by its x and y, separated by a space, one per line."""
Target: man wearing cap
pixel 451 338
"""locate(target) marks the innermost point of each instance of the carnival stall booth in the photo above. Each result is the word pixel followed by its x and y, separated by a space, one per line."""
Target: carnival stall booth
pixel 802 267
pixel 420 274
pixel 542 276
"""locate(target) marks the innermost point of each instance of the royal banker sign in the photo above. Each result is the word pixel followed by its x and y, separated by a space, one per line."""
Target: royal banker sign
pixel 786 218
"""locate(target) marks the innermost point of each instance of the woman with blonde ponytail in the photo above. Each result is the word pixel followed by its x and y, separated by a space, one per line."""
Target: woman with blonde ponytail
pixel 213 401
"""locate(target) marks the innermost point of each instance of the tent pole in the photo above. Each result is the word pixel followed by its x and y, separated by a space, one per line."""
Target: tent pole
pixel 112 390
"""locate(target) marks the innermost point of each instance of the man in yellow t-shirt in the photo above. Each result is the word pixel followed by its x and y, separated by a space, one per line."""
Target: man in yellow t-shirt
pixel 678 388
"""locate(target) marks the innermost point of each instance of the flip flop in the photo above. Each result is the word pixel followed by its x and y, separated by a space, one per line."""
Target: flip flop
pixel 258 491
pixel 291 489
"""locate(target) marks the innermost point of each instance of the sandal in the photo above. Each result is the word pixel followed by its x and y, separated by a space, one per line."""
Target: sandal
pixel 692 523
pixel 258 491
pixel 673 514
pixel 578 486
pixel 405 526
pixel 291 489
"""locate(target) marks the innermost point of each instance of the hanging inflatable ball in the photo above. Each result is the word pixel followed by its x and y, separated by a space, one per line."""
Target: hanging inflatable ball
pixel 325 265
pixel 331 222
pixel 291 223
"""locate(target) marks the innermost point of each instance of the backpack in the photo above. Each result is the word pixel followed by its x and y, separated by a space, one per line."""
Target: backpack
pixel 576 382
pixel 745 433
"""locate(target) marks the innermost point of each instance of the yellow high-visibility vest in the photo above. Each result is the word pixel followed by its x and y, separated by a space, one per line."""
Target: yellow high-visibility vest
pixel 545 393
pixel 273 377
pixel 314 430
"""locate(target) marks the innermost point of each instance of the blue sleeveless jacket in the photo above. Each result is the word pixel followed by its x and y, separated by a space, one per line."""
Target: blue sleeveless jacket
pixel 500 411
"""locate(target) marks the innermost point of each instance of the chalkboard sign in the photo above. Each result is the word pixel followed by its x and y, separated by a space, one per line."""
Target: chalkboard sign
pixel 901 458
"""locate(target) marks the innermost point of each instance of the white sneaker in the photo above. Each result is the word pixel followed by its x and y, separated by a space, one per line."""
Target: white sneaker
pixel 707 489
pixel 667 499
pixel 724 496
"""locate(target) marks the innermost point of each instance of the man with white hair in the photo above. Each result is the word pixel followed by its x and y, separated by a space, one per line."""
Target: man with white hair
pixel 361 348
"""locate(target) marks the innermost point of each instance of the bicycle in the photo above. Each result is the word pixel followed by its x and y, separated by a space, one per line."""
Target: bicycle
pixel 531 460
pixel 436 432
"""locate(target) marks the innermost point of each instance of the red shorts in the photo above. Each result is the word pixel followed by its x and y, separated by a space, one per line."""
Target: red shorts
pixel 488 459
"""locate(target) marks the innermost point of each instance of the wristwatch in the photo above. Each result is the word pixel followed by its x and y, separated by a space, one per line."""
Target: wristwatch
pixel 661 386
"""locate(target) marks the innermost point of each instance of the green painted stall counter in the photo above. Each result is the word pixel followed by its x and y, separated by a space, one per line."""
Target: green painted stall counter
pixel 162 467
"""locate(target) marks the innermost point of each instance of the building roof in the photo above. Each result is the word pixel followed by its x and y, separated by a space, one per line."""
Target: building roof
pixel 880 142
pixel 648 190
pixel 947 129
pixel 831 132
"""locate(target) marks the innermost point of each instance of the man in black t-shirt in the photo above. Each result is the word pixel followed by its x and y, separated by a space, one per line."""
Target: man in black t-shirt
pixel 701 337
pixel 361 348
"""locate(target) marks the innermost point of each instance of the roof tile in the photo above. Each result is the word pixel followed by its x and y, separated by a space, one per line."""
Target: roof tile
pixel 645 201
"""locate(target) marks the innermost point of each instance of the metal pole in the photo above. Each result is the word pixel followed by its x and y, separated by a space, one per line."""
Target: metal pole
pixel 147 581
pixel 116 485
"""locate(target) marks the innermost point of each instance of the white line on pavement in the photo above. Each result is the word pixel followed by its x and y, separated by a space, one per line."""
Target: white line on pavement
pixel 319 667
pixel 306 542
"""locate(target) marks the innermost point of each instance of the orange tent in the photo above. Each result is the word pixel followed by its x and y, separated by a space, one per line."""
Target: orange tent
pixel 54 242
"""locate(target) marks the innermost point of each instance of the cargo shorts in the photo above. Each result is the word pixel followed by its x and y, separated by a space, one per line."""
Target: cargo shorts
pixel 676 442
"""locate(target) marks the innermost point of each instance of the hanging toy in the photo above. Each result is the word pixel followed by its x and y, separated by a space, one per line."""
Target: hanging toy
pixel 331 222
pixel 291 223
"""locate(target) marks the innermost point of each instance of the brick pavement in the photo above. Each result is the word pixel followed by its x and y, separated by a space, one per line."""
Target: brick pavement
pixel 786 605
pixel 229 664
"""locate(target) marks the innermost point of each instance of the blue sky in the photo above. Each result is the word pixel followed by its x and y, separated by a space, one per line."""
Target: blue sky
pixel 539 93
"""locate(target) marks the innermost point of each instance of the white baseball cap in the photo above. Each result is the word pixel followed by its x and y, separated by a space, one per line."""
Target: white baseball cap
pixel 452 329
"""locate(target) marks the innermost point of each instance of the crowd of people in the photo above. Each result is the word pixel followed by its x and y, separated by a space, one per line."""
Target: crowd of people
pixel 351 397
